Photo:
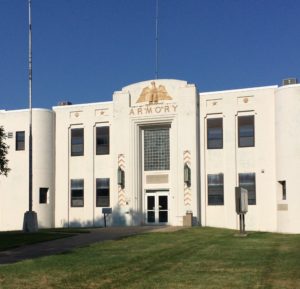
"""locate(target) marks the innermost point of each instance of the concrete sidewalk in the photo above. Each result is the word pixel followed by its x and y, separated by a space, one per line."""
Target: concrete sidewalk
pixel 80 240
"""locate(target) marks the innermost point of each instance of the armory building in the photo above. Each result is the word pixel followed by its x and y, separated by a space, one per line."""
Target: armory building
pixel 158 150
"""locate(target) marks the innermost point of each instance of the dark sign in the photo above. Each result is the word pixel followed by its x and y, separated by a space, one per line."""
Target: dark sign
pixel 106 210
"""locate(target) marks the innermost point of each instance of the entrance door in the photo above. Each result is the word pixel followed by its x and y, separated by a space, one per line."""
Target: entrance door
pixel 157 208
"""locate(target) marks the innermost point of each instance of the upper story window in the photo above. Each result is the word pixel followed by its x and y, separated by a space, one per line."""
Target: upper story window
pixel 102 192
pixel 247 181
pixel 246 131
pixel 156 149
pixel 102 140
pixel 20 140
pixel 215 189
pixel 214 133
pixel 77 142
pixel 77 193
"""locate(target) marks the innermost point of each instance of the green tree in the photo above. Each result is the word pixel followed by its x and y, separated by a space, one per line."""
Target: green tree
pixel 4 169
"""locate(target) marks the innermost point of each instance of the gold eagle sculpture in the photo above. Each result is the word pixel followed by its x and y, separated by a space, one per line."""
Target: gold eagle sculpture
pixel 153 94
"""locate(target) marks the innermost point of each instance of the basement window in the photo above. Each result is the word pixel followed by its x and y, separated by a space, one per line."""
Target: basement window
pixel 44 195
pixel 283 186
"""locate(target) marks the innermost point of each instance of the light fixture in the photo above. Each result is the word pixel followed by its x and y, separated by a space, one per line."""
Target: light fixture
pixel 187 175
pixel 121 177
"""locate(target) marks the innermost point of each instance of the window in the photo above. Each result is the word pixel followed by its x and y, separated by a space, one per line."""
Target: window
pixel 77 193
pixel 215 133
pixel 215 189
pixel 102 192
pixel 156 149
pixel 283 184
pixel 44 195
pixel 246 131
pixel 20 140
pixel 77 145
pixel 247 181
pixel 102 140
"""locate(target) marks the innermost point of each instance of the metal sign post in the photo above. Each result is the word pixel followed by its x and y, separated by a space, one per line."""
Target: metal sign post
pixel 105 212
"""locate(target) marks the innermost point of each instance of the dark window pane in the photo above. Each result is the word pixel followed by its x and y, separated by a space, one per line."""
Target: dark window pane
pixel 151 204
pixel 44 195
pixel 20 140
pixel 77 142
pixel 156 149
pixel 77 193
pixel 215 188
pixel 150 216
pixel 283 184
pixel 247 181
pixel 102 140
pixel 163 216
pixel 102 192
pixel 246 131
pixel 163 202
pixel 214 133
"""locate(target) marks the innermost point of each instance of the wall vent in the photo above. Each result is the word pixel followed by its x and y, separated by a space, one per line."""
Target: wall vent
pixel 289 81
pixel 10 135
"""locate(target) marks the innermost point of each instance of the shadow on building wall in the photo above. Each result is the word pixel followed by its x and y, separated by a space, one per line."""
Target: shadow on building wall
pixel 119 217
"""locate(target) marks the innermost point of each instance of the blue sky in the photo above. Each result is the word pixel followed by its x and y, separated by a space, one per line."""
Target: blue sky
pixel 84 50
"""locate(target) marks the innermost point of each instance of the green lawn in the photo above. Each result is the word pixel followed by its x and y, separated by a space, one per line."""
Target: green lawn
pixel 9 240
pixel 190 258
pixel 13 239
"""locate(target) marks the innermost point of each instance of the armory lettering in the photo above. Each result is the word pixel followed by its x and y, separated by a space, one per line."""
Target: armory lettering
pixel 153 109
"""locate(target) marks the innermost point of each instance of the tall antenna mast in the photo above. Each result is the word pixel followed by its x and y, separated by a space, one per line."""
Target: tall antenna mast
pixel 30 105
pixel 156 41
pixel 30 223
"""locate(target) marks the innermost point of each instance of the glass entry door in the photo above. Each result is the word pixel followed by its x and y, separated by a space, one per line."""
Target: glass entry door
pixel 157 207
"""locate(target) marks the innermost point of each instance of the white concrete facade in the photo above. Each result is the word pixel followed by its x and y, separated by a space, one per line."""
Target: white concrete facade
pixel 179 114
pixel 14 188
